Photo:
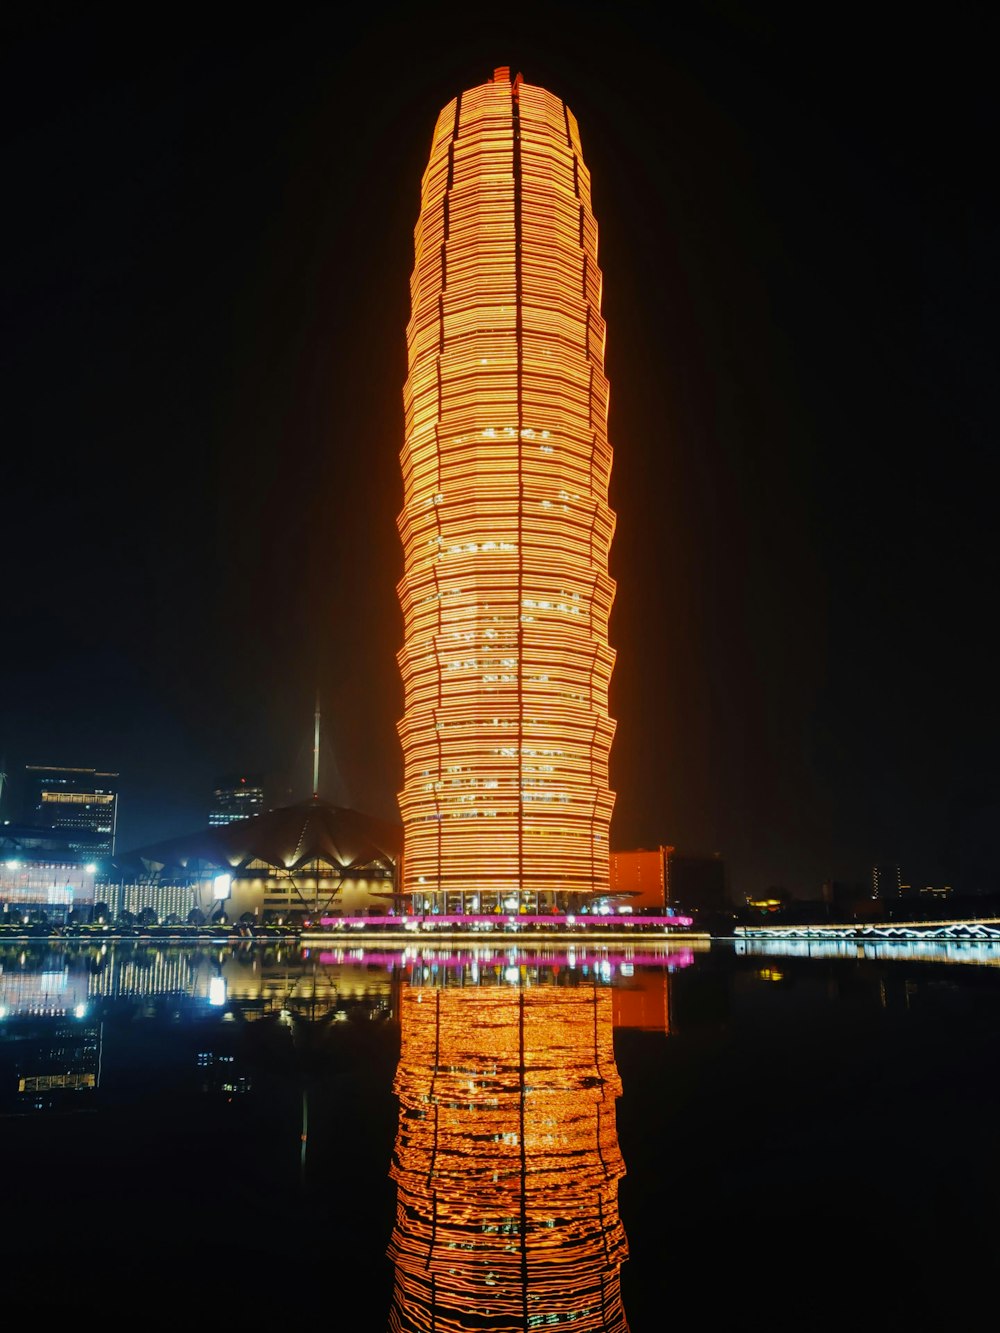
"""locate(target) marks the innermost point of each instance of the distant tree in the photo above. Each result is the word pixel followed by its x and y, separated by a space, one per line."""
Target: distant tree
pixel 196 917
pixel 148 917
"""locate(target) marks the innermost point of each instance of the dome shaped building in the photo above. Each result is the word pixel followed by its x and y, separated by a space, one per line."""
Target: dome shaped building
pixel 292 862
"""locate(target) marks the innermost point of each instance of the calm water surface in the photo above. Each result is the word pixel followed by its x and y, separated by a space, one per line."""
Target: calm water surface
pixel 500 1139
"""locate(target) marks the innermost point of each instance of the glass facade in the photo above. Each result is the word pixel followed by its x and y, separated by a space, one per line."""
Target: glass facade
pixel 80 805
pixel 236 798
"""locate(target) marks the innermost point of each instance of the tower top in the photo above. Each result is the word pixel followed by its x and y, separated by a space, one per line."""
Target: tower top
pixel 502 75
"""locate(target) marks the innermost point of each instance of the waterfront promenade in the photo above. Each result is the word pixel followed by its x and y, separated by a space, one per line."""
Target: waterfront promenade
pixel 529 929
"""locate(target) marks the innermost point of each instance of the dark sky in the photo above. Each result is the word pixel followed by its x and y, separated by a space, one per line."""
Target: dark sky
pixel 208 230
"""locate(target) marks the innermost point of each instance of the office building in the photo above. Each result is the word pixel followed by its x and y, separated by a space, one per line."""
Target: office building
pixel 77 806
pixel 505 525
pixel 638 879
pixel 887 883
pixel 668 879
pixel 697 882
pixel 236 797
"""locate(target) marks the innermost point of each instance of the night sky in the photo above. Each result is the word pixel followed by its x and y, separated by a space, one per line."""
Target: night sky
pixel 208 235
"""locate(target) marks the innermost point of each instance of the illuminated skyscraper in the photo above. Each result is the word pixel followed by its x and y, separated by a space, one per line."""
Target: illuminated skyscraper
pixel 80 805
pixel 505 525
pixel 235 798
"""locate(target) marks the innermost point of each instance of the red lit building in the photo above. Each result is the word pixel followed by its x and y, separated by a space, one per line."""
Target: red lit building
pixel 666 877
pixel 640 878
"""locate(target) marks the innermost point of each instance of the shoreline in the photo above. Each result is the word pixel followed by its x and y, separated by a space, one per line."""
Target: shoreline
pixel 427 933
pixel 355 936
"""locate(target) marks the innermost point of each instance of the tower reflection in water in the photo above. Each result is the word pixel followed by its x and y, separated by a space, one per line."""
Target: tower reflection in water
pixel 507 1161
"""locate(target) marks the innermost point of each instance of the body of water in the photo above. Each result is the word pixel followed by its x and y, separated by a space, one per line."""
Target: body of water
pixel 499 1137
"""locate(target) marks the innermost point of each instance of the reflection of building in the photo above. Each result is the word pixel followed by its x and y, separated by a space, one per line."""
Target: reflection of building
pixel 50 1043
pixel 507 1161
pixel 505 523
pixel 642 999
pixel 700 998
pixel 79 805
pixel 49 1063
pixel 294 861
pixel 236 798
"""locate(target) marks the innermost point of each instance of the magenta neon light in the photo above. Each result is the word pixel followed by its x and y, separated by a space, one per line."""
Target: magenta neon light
pixel 520 919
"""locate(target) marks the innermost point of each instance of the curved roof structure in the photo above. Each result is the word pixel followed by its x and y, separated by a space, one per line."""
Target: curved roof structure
pixel 288 838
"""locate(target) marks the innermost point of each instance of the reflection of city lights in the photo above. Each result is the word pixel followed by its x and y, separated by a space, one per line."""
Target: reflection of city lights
pixel 4 1011
pixel 512 974
pixel 507 1161
pixel 217 990
pixel 80 1011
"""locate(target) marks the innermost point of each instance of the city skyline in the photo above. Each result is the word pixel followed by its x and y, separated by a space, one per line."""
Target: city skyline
pixel 207 279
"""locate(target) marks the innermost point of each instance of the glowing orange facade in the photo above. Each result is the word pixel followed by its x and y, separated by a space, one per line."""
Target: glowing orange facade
pixel 507 1161
pixel 641 878
pixel 505 524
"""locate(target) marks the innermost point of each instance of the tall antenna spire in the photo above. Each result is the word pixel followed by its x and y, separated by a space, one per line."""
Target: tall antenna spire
pixel 316 750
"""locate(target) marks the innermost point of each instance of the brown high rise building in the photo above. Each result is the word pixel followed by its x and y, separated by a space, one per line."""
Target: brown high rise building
pixel 505 525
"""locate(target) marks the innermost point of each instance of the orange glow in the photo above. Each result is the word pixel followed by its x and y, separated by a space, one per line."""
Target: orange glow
pixel 505 524
pixel 643 1002
pixel 640 877
pixel 507 1160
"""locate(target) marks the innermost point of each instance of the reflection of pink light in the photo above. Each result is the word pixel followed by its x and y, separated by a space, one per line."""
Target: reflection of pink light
pixel 500 920
pixel 504 957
